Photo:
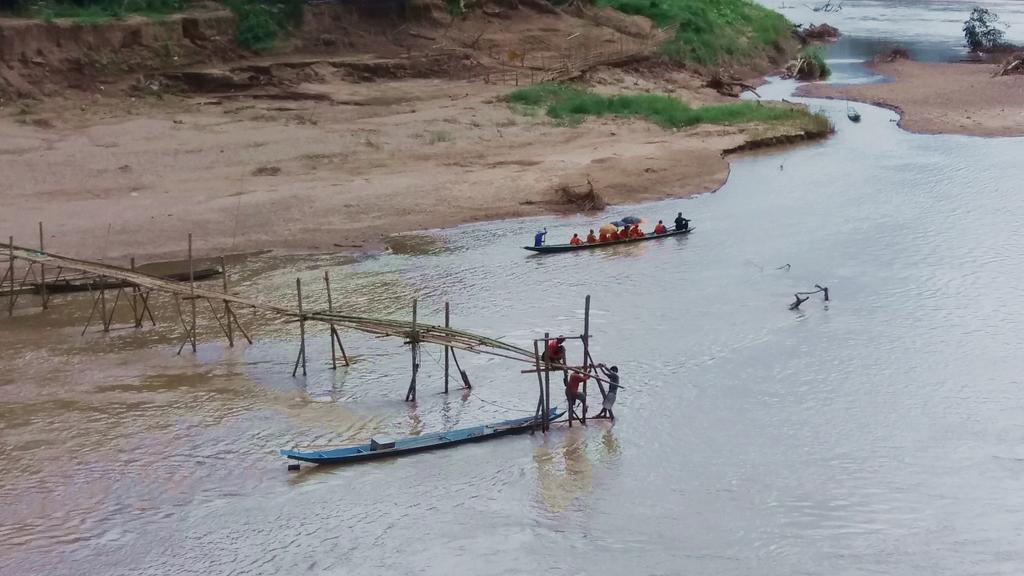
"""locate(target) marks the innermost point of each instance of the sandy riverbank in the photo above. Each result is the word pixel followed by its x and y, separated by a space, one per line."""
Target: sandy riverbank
pixel 953 98
pixel 123 178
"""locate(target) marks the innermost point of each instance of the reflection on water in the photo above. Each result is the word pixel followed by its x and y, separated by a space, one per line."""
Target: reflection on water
pixel 878 434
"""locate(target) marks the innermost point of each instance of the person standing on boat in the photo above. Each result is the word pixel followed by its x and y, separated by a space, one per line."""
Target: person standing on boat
pixel 591 239
pixel 612 374
pixel 682 223
pixel 538 238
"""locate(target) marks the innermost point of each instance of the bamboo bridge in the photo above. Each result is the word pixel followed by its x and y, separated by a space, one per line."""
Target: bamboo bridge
pixel 134 289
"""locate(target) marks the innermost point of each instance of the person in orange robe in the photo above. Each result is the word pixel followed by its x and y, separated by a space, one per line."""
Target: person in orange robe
pixel 603 237
pixel 660 228
pixel 575 240
pixel 613 236
pixel 591 239
pixel 636 232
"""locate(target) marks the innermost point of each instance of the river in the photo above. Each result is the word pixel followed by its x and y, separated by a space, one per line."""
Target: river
pixel 876 433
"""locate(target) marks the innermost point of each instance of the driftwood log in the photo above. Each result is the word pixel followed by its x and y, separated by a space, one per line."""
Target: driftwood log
pixel 1013 65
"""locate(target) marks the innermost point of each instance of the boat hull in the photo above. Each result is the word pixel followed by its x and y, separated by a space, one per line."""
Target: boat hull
pixel 434 441
pixel 570 248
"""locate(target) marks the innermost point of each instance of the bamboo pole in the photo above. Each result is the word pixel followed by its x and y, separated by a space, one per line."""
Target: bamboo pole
pixel 136 313
pixel 42 269
pixel 103 303
pixel 547 385
pixel 10 270
pixel 330 308
pixel 110 319
pixel 227 305
pixel 447 349
pixel 410 395
pixel 302 332
pixel 335 336
pixel 192 293
pixel 540 388
pixel 586 350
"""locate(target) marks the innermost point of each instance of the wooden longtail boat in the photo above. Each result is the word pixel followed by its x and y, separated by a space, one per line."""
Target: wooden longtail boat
pixel 388 448
pixel 549 248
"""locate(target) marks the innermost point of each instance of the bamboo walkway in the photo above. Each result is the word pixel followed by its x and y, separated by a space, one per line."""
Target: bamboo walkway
pixel 426 333
pixel 134 288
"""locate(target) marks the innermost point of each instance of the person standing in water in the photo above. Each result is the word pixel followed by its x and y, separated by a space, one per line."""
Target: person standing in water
pixel 612 374
pixel 572 391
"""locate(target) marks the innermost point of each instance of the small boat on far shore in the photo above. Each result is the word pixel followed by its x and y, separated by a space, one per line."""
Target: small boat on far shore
pixel 852 113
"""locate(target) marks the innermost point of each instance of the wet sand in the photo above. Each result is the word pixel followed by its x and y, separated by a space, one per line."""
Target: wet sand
pixel 947 98
pixel 115 179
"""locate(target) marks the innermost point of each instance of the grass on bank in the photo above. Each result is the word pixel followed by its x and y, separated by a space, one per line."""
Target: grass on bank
pixel 94 11
pixel 712 31
pixel 260 22
pixel 572 105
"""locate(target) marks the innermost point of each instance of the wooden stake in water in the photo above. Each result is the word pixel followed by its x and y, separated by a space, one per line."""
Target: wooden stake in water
pixel 447 349
pixel 547 383
pixel 302 332
pixel 586 351
pixel 335 336
pixel 538 417
pixel 414 338
pixel 192 293
pixel 227 305
pixel 10 270
pixel 42 269
pixel 103 303
pixel 136 312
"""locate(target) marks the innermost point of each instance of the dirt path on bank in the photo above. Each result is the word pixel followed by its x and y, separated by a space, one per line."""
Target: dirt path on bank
pixel 954 98
pixel 119 178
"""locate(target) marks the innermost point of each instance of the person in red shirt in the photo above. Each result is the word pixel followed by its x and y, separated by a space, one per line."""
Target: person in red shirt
pixel 554 352
pixel 660 228
pixel 572 391
pixel 603 237
pixel 575 240
pixel 591 239
pixel 613 236
pixel 637 232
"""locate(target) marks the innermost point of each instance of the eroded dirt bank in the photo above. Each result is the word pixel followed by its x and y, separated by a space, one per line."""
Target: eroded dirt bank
pixel 953 98
pixel 371 126
pixel 312 174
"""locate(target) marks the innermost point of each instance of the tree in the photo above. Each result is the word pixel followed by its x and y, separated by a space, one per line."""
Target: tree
pixel 982 30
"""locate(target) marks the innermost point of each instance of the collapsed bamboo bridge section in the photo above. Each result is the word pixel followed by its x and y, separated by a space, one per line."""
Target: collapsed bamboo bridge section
pixel 134 289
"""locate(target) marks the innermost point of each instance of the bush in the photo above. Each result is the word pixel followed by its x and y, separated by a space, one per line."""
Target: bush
pixel 571 105
pixel 712 31
pixel 14 6
pixel 260 24
pixel 981 30
pixel 816 54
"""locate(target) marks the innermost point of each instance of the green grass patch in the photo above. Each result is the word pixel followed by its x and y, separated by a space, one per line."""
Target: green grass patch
pixel 97 11
pixel 712 32
pixel 816 54
pixel 572 105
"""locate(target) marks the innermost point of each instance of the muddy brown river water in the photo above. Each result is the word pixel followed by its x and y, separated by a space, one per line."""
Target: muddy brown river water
pixel 878 433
